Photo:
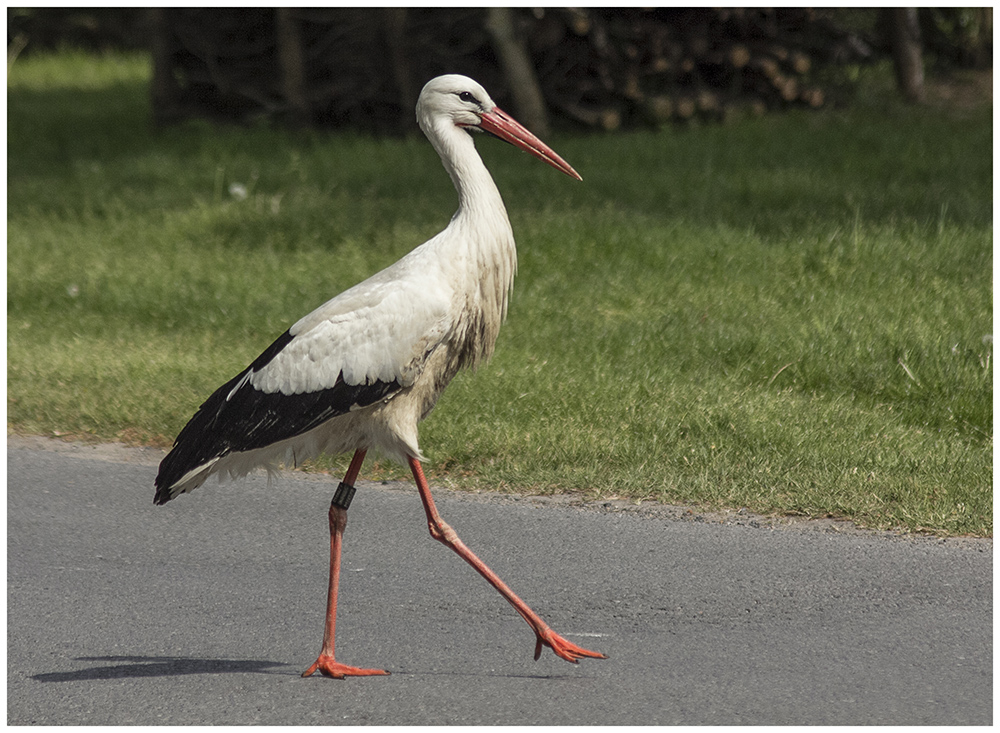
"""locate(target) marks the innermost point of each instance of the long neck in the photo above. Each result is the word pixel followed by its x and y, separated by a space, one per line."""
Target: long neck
pixel 481 235
pixel 478 196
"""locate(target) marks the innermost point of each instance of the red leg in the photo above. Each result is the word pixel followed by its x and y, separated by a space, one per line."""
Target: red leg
pixel 446 535
pixel 326 664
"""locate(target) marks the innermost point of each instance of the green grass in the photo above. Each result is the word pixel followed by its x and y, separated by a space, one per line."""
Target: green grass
pixel 785 314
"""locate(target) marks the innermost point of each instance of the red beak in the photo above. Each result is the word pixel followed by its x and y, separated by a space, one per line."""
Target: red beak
pixel 506 128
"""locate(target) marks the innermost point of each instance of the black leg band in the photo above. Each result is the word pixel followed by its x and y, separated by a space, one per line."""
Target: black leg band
pixel 343 496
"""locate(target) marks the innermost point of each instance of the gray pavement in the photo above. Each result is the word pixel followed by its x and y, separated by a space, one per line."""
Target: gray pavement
pixel 207 609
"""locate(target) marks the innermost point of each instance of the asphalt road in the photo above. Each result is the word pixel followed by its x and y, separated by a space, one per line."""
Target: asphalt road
pixel 207 609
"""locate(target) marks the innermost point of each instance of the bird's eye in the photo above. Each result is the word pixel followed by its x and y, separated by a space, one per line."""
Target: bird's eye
pixel 467 97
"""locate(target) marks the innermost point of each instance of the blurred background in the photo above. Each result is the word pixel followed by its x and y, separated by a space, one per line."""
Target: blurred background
pixel 568 67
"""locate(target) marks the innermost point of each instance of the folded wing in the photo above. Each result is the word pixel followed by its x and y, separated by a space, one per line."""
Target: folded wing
pixel 356 350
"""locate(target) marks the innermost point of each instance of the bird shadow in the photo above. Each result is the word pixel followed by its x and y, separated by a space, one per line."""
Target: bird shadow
pixel 125 667
pixel 141 666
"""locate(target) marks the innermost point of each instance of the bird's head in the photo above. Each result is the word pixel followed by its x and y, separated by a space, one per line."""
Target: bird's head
pixel 461 102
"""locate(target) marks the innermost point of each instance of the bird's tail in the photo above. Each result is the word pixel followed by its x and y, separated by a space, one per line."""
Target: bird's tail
pixel 170 482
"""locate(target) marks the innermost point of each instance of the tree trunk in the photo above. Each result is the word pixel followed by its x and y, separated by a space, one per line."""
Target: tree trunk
pixel 395 35
pixel 292 60
pixel 904 30
pixel 518 70
pixel 164 91
pixel 984 46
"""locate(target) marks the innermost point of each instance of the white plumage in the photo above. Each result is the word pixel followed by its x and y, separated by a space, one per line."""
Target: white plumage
pixel 363 369
pixel 411 326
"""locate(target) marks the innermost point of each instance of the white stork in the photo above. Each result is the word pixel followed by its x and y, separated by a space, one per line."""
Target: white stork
pixel 363 369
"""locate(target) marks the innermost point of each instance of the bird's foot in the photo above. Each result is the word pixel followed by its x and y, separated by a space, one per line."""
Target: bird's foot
pixel 565 649
pixel 330 667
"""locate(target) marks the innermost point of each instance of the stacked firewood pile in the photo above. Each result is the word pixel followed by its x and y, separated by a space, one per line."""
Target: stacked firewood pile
pixel 609 68
pixel 600 68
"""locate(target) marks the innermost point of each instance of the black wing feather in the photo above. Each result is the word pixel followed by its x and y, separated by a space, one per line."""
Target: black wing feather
pixel 253 419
